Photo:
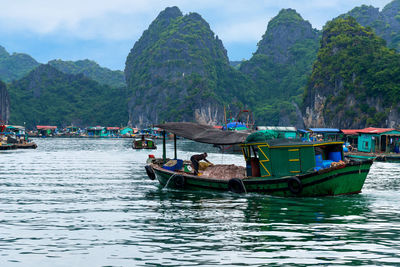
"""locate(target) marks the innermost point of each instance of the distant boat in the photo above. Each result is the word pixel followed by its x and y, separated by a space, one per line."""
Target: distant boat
pixel 143 142
pixel 279 167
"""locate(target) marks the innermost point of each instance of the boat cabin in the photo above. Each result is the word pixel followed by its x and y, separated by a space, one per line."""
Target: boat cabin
pixel 286 157
pixel 143 142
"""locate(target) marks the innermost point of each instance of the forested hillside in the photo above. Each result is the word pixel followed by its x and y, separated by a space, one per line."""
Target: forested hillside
pixel 4 103
pixel 280 68
pixel 15 66
pixel 179 71
pixel 385 23
pixel 355 81
pixel 91 70
pixel 48 96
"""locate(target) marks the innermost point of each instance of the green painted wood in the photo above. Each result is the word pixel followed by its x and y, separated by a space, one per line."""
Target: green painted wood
pixel 347 180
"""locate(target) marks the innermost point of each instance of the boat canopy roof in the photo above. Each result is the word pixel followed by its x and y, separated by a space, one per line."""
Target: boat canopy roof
pixel 204 133
pixel 285 142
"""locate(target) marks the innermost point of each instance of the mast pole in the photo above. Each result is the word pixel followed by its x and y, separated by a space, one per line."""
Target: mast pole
pixel 175 152
pixel 164 147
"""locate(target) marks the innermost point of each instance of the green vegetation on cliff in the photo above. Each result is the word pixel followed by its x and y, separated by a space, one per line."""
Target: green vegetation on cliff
pixel 48 96
pixel 15 66
pixel 91 70
pixel 4 103
pixel 385 23
pixel 281 66
pixel 356 77
pixel 178 70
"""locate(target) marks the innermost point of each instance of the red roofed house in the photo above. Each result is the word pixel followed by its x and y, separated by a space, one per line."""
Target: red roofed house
pixel 378 140
pixel 351 136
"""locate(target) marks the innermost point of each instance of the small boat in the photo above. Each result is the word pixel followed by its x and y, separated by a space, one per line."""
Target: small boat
pixel 381 157
pixel 143 142
pixel 279 167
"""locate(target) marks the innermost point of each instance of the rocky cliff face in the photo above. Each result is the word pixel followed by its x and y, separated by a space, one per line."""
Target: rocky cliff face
pixel 355 81
pixel 280 67
pixel 15 66
pixel 385 23
pixel 4 103
pixel 284 31
pixel 179 71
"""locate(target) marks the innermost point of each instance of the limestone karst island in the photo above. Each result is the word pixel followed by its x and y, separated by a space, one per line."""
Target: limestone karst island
pixel 171 133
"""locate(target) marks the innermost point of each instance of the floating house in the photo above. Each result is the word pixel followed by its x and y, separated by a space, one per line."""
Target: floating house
pixel 45 130
pixel 378 140
pixel 351 136
pixel 110 132
pixel 126 131
pixel 325 134
pixel 94 131
pixel 72 130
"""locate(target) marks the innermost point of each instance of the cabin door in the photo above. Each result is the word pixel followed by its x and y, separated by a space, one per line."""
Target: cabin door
pixel 294 161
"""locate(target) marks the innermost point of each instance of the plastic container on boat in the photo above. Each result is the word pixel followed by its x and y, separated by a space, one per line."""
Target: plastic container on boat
pixel 335 156
pixel 173 165
pixel 318 160
pixel 326 163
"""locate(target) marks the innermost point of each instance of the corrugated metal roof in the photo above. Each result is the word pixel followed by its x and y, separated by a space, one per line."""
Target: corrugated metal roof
pixel 45 127
pixel 277 128
pixel 372 130
pixel 324 130
pixel 351 131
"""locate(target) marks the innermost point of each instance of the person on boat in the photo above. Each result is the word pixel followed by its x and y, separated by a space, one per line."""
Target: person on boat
pixel 144 143
pixel 195 161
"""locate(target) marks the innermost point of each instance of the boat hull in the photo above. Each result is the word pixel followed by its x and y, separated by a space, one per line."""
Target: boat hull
pixel 381 157
pixel 334 181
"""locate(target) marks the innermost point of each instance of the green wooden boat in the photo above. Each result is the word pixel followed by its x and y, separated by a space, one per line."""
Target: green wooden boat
pixel 279 167
pixel 143 142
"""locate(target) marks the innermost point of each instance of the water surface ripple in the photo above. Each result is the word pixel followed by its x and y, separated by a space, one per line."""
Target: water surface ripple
pixel 85 202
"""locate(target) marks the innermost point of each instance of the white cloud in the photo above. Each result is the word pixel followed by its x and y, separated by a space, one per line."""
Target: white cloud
pixel 108 21
pixel 119 19
pixel 242 31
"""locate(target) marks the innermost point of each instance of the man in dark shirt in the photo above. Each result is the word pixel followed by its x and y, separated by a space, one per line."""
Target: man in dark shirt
pixel 195 161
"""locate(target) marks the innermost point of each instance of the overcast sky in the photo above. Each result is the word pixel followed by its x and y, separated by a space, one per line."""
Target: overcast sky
pixel 106 30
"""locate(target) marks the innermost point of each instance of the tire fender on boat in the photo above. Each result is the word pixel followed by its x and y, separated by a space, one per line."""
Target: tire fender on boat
pixel 295 186
pixel 150 172
pixel 236 185
pixel 179 181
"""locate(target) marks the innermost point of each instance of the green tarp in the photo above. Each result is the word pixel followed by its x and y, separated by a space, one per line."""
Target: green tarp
pixel 262 136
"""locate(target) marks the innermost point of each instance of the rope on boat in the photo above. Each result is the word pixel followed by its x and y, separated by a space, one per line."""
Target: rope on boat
pixel 166 185
pixel 244 187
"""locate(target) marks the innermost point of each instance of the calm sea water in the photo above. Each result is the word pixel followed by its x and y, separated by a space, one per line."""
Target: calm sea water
pixel 79 202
